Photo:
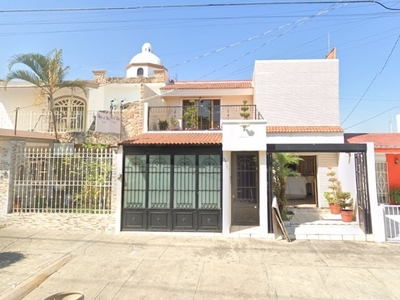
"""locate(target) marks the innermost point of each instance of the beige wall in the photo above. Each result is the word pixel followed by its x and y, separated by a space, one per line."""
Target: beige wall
pixel 326 162
pixel 225 100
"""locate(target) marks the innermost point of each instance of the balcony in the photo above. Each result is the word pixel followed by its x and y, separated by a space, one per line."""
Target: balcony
pixel 198 117
pixel 41 121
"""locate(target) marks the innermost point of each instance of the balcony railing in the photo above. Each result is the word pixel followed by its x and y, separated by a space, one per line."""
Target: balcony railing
pixel 203 117
pixel 41 121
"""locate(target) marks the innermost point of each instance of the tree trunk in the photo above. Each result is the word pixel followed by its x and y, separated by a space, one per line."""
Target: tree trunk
pixel 53 114
pixel 282 195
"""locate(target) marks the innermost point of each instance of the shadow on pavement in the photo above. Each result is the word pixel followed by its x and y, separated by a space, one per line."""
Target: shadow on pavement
pixel 8 258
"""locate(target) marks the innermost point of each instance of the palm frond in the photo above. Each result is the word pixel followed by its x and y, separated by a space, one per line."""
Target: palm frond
pixel 75 85
pixel 36 62
pixel 25 75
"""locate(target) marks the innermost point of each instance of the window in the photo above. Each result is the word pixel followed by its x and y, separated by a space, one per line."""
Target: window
pixel 140 72
pixel 208 114
pixel 70 114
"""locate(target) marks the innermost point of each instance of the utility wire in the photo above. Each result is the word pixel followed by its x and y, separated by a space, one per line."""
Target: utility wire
pixel 296 24
pixel 140 7
pixel 373 117
pixel 373 80
pixel 302 20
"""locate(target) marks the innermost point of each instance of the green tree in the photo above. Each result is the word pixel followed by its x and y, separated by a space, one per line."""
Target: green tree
pixel 47 72
pixel 281 170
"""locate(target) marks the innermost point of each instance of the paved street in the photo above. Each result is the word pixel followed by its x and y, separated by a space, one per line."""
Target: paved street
pixel 154 266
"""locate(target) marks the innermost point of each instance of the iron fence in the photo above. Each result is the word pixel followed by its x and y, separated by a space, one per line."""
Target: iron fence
pixel 392 223
pixel 207 117
pixel 62 180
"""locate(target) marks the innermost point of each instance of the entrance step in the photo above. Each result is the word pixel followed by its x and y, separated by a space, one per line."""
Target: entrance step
pixel 320 224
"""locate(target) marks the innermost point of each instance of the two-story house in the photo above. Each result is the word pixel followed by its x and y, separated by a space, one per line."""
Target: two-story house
pixel 197 155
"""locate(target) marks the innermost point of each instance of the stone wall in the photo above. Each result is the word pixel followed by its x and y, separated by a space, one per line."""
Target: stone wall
pixel 7 156
pixel 132 125
pixel 100 222
pixel 101 78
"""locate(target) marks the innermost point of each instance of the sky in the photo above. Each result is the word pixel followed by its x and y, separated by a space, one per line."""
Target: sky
pixel 222 43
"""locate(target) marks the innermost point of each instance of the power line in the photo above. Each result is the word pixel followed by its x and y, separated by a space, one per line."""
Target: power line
pixel 373 117
pixel 296 24
pixel 373 80
pixel 208 5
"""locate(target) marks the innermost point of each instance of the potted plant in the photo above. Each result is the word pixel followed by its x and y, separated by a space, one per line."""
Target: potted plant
pixel 191 115
pixel 163 124
pixel 395 195
pixel 331 196
pixel 346 205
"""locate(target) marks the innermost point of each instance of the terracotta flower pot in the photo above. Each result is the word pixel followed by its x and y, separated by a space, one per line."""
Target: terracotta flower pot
pixel 335 209
pixel 347 215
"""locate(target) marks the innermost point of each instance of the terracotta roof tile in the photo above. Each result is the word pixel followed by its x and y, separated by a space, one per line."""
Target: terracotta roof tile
pixel 26 134
pixel 176 138
pixel 205 85
pixel 380 140
pixel 301 129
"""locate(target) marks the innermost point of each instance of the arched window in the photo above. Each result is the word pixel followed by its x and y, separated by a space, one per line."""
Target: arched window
pixel 140 72
pixel 70 114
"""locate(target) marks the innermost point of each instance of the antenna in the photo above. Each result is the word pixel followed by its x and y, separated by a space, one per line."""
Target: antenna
pixel 329 42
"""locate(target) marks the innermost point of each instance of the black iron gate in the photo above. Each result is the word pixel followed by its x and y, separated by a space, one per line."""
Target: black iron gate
pixel 363 205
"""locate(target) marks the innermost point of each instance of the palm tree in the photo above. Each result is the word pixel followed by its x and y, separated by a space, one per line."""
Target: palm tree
pixel 47 72
pixel 281 170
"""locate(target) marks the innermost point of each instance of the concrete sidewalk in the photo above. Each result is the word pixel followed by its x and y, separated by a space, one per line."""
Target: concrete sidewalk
pixel 155 266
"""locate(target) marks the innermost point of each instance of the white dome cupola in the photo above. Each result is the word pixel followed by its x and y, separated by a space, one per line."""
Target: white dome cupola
pixel 143 64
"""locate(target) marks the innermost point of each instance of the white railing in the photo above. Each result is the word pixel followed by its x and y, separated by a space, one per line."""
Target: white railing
pixel 392 223
pixel 41 121
pixel 62 180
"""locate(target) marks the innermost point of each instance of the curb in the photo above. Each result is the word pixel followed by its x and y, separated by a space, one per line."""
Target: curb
pixel 24 288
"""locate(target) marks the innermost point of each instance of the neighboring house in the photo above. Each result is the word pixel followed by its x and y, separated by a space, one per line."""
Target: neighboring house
pixel 387 159
pixel 76 112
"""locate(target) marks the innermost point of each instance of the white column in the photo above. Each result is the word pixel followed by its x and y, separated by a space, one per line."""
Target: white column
pixel 118 205
pixel 226 192
pixel 263 188
pixel 377 217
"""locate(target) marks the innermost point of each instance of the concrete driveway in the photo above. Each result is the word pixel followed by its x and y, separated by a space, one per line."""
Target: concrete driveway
pixel 36 264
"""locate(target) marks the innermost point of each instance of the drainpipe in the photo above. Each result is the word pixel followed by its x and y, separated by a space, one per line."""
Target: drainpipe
pixel 16 120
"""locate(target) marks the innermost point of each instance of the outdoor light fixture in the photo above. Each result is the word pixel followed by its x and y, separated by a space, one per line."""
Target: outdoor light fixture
pixel 244 126
pixel 396 161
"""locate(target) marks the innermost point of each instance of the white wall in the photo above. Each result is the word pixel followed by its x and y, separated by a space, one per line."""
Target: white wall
pixel 347 174
pixel 100 99
pixel 226 192
pixel 297 92
pixel 305 138
pixel 235 138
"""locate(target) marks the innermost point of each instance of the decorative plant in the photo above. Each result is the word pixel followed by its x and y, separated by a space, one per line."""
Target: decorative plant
pixel 244 108
pixel 281 171
pixel 163 124
pixel 335 187
pixel 395 195
pixel 344 200
pixel 174 122
pixel 191 114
